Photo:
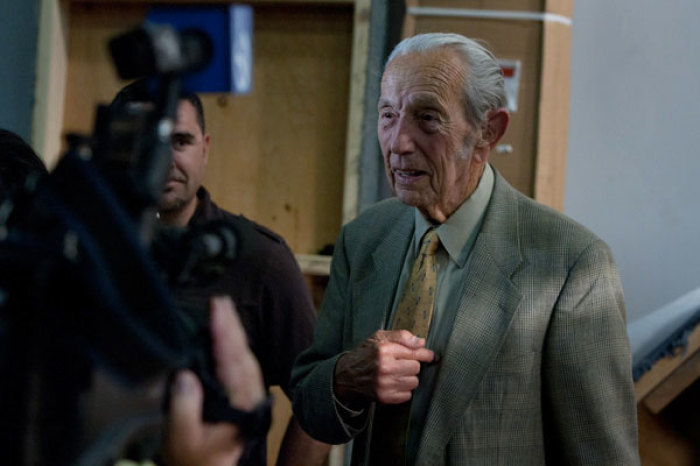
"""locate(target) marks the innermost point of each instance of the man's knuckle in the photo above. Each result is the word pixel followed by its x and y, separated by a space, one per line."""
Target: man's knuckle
pixel 382 370
pixel 384 350
pixel 381 384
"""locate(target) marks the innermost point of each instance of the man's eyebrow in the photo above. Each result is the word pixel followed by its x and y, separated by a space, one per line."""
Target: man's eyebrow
pixel 428 101
pixel 182 135
pixel 383 102
pixel 420 102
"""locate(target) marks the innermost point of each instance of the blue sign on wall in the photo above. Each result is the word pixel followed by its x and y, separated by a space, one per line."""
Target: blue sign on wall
pixel 230 28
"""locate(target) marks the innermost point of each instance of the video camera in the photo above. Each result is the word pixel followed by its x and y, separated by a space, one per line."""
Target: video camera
pixel 80 286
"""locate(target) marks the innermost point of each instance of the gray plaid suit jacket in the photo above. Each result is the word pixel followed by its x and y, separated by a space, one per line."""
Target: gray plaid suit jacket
pixel 537 368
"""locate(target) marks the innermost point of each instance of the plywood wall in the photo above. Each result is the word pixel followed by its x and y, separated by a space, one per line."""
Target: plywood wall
pixel 91 78
pixel 277 154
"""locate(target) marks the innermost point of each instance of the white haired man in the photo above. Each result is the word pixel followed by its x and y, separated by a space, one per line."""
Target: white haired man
pixel 521 356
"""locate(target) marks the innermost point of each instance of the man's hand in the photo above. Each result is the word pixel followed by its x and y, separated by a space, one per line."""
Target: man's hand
pixel 383 367
pixel 188 440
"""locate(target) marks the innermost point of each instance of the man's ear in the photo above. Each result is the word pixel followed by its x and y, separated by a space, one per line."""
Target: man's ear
pixel 493 130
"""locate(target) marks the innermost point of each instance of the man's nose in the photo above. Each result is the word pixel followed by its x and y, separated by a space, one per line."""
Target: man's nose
pixel 174 156
pixel 402 137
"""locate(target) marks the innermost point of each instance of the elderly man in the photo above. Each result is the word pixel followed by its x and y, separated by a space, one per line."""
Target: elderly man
pixel 499 339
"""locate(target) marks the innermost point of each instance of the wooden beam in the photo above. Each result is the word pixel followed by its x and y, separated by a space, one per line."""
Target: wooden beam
pixel 356 105
pixel 553 125
pixel 560 7
pixel 52 70
pixel 663 368
pixel 311 264
pixel 675 384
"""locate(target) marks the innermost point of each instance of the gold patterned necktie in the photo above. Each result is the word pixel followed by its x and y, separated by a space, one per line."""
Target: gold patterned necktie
pixel 414 313
pixel 415 310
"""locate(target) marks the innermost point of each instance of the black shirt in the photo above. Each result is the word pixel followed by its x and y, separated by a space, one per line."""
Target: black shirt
pixel 270 295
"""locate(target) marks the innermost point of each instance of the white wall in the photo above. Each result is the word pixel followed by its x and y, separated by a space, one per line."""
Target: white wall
pixel 633 168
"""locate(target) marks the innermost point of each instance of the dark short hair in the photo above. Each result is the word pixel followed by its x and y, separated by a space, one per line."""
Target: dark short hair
pixel 196 102
pixel 17 161
pixel 141 91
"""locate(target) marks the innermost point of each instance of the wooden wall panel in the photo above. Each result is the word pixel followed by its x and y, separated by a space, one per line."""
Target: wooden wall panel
pixel 91 77
pixel 514 5
pixel 553 125
pixel 560 7
pixel 277 154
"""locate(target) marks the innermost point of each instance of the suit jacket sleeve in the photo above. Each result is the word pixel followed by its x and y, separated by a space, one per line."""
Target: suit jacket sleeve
pixel 312 377
pixel 589 407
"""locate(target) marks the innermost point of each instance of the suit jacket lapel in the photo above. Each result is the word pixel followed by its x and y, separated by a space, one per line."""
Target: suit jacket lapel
pixel 374 292
pixel 486 308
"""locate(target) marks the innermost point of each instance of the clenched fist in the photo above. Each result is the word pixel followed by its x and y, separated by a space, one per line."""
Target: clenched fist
pixel 382 368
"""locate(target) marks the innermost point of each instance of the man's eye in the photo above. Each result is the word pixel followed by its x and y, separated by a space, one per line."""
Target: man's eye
pixel 428 118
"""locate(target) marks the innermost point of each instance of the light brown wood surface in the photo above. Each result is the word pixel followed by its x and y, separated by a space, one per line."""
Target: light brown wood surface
pixel 683 377
pixel 553 115
pixel 91 77
pixel 664 367
pixel 356 106
pixel 506 5
pixel 277 154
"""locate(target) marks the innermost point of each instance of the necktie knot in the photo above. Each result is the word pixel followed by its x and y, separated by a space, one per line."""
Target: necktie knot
pixel 430 242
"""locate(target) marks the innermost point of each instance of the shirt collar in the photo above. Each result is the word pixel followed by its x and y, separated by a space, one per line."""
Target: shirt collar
pixel 460 227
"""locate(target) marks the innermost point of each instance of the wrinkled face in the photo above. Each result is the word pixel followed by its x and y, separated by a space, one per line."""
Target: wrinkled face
pixel 425 138
pixel 190 150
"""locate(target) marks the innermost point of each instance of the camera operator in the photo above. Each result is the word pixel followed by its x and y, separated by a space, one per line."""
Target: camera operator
pixel 272 299
pixel 187 440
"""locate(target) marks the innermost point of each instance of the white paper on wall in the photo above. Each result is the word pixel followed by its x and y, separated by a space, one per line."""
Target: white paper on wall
pixel 511 74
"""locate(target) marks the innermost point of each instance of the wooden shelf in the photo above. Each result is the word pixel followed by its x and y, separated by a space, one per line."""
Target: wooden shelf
pixel 670 376
pixel 311 264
